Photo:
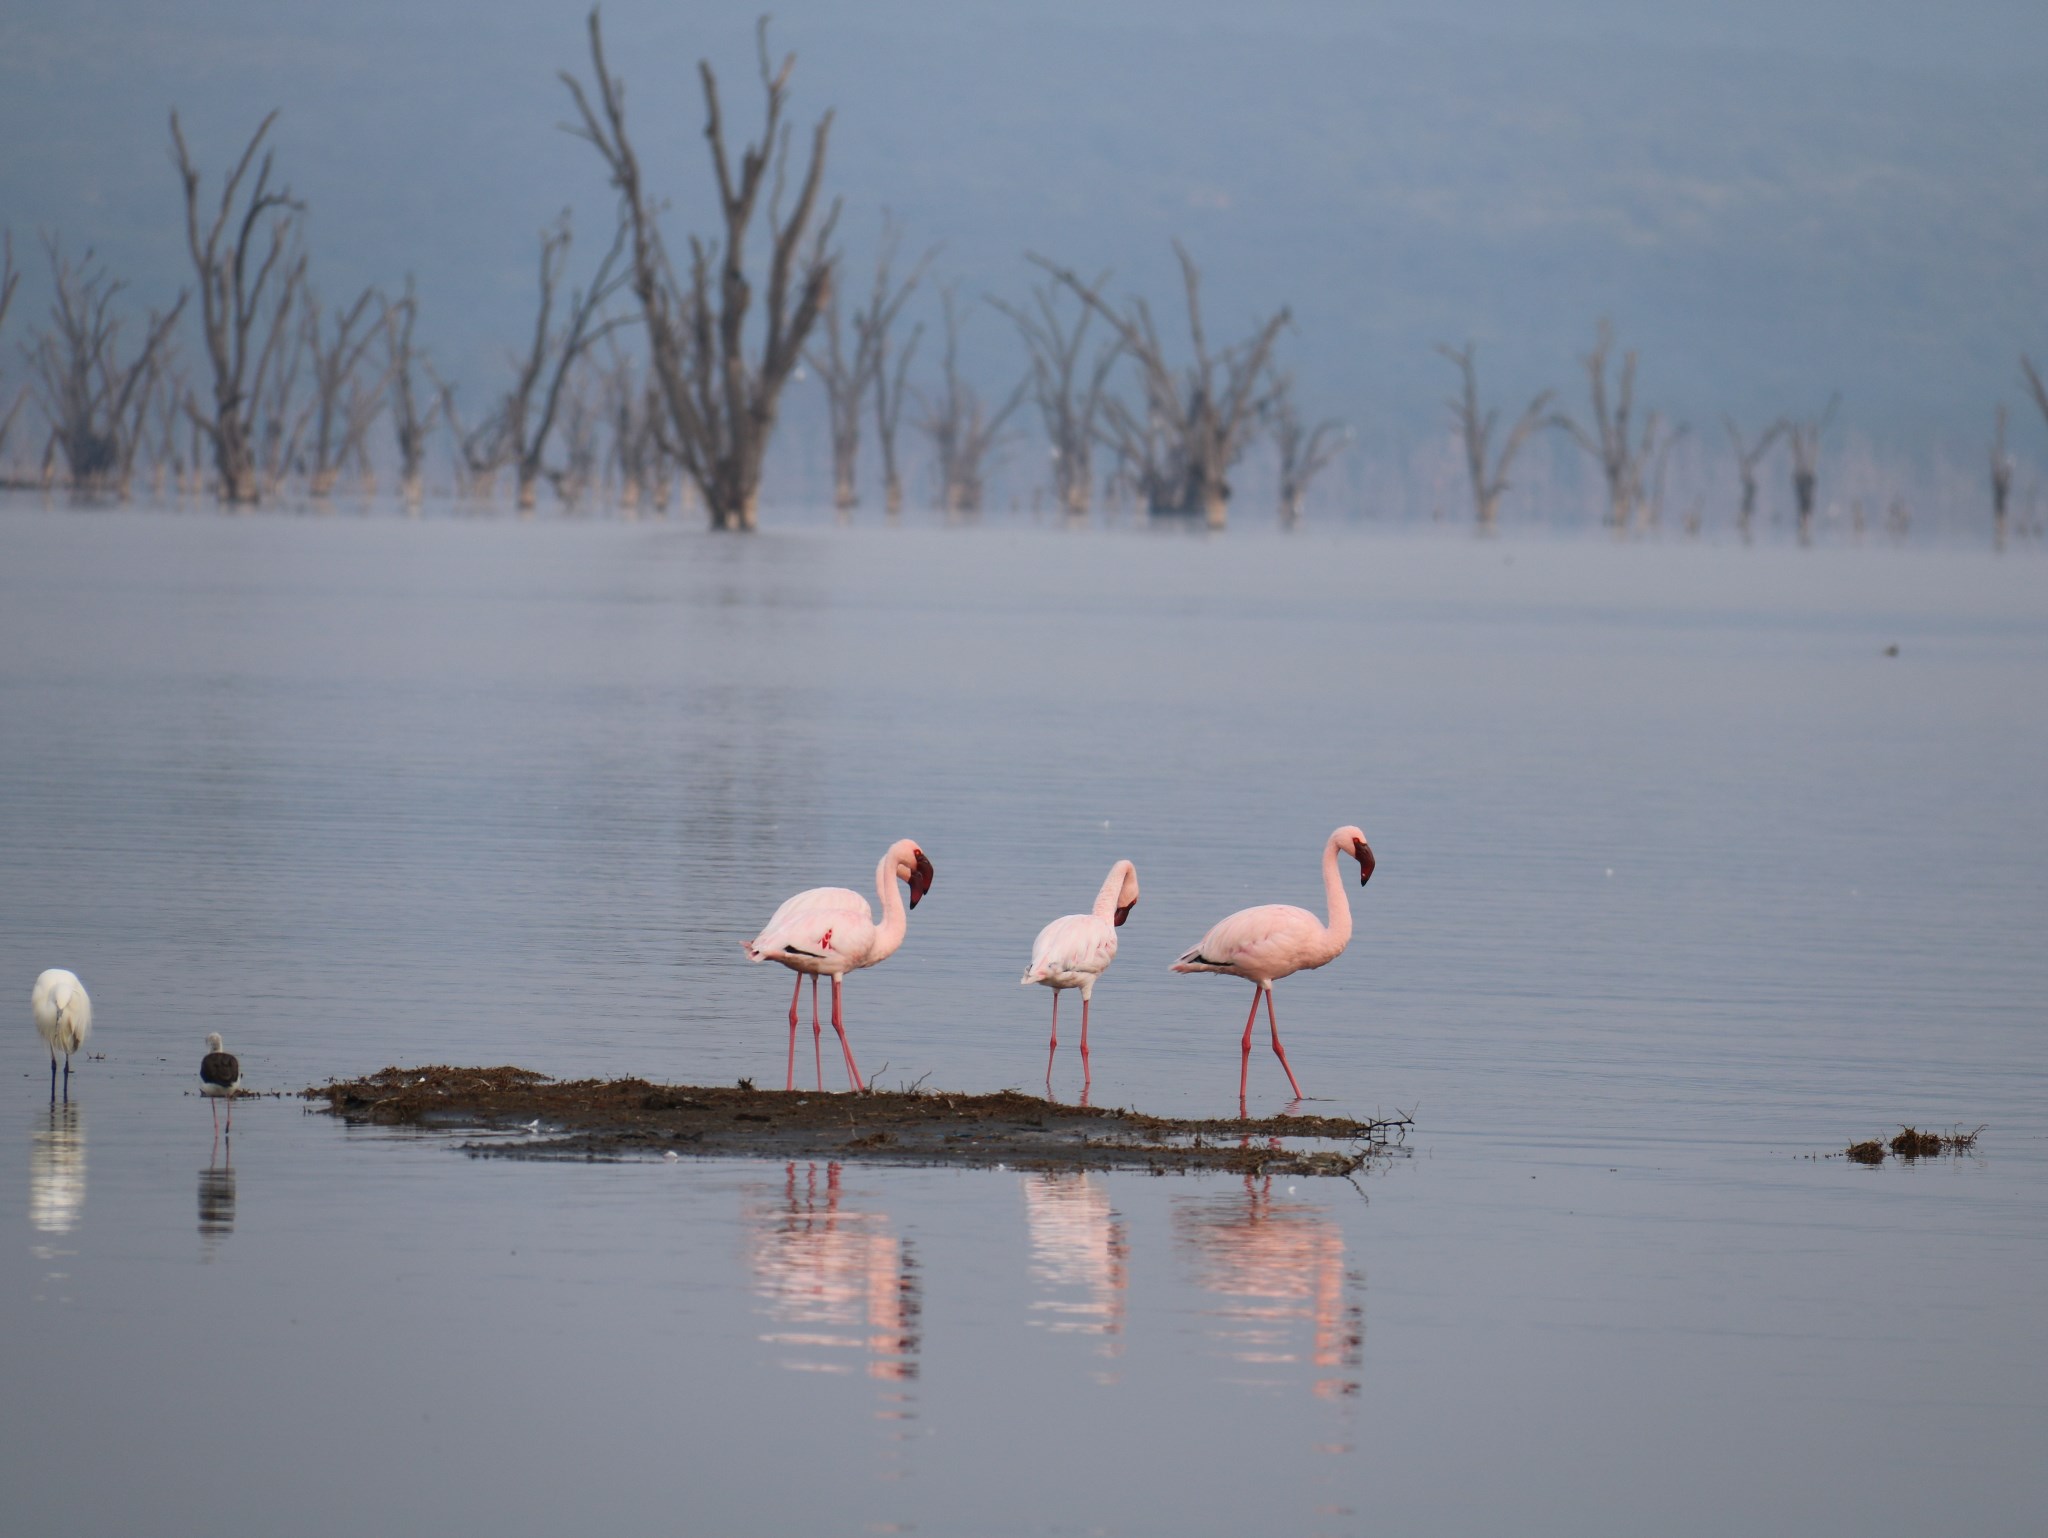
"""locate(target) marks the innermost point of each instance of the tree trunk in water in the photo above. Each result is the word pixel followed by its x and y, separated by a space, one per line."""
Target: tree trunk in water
pixel 411 489
pixel 528 495
pixel 322 484
pixel 236 463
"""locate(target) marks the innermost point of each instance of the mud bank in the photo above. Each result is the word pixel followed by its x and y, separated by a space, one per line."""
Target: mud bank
pixel 530 1116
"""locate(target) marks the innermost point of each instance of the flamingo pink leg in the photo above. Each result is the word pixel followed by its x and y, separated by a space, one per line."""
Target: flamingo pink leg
pixel 1278 1050
pixel 795 994
pixel 1049 1051
pixel 845 1046
pixel 216 1115
pixel 1244 1065
pixel 1086 1075
pixel 818 1032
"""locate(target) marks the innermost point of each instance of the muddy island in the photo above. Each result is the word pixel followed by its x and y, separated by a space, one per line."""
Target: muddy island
pixel 527 1115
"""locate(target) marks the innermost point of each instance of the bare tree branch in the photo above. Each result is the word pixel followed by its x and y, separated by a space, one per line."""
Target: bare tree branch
pixel 1803 438
pixel 1630 465
pixel 1070 403
pixel 1487 471
pixel 962 430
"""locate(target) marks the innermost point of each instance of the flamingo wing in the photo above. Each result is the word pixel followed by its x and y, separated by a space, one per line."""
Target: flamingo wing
pixel 1077 946
pixel 1268 941
pixel 815 929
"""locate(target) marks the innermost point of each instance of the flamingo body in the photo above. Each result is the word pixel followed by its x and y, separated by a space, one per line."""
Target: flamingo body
pixel 829 931
pixel 62 1011
pixel 1276 940
pixel 1074 952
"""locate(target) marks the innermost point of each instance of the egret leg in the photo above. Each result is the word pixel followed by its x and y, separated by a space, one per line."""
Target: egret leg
pixel 845 1046
pixel 1278 1050
pixel 1049 1051
pixel 794 994
pixel 818 1031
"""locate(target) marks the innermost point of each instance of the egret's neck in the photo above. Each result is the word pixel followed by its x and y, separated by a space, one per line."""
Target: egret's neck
pixel 1340 905
pixel 889 934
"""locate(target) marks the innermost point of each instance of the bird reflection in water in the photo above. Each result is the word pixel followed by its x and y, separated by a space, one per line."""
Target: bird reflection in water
pixel 1080 1254
pixel 1280 1266
pixel 56 1169
pixel 843 1291
pixel 216 1202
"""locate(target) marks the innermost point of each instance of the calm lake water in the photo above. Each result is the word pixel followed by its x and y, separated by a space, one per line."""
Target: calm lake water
pixel 1683 881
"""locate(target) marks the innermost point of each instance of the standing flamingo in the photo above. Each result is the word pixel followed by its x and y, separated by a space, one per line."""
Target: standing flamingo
pixel 1074 951
pixel 63 1016
pixel 831 931
pixel 1268 943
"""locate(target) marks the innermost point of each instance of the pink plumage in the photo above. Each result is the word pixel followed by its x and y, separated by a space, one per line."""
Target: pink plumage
pixel 830 931
pixel 1268 943
pixel 1074 952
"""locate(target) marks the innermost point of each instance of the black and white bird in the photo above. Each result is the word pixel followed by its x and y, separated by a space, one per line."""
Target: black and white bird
pixel 220 1075
pixel 63 1016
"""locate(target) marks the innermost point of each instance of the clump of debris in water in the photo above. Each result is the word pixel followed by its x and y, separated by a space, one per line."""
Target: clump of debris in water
pixel 1912 1143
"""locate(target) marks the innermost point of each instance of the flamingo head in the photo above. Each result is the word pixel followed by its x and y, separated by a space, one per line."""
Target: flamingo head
pixel 1352 842
pixel 915 868
pixel 1127 898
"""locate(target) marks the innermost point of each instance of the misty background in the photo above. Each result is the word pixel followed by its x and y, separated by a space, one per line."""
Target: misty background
pixel 1772 203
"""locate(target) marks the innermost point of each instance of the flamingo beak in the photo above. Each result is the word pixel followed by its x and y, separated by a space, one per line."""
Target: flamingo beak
pixel 920 878
pixel 1362 851
pixel 1125 912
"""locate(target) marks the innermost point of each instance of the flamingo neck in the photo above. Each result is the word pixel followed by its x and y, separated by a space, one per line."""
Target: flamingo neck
pixel 1339 927
pixel 895 920
pixel 1112 889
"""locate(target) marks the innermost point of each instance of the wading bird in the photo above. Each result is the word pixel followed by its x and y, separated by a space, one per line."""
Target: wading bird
pixel 63 1016
pixel 1073 952
pixel 220 1075
pixel 829 931
pixel 1266 944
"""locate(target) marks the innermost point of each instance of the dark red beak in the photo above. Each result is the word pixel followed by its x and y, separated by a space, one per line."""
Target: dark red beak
pixel 920 878
pixel 1363 851
pixel 1125 912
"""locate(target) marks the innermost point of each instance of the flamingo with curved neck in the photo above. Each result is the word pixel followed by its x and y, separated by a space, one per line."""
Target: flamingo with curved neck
pixel 1074 952
pixel 830 931
pixel 1268 943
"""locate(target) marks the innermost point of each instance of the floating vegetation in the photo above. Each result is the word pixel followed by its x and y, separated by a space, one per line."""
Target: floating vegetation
pixel 1911 1143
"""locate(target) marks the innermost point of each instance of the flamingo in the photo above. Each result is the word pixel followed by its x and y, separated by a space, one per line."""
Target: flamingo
pixel 1268 943
pixel 1073 952
pixel 63 1016
pixel 220 1076
pixel 830 931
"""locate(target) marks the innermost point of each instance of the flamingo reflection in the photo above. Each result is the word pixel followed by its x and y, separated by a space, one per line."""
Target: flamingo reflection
pixel 1280 1265
pixel 56 1169
pixel 1080 1256
pixel 839 1286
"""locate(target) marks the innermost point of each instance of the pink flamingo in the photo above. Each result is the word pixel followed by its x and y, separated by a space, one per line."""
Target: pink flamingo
pixel 1266 944
pixel 830 931
pixel 1074 951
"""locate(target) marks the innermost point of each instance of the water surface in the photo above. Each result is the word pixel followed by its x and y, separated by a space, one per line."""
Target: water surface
pixel 1682 879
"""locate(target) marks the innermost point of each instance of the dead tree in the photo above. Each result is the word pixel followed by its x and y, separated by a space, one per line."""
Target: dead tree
pixel 1629 464
pixel 97 405
pixel 1803 438
pixel 479 451
pixel 847 380
pixel 1748 457
pixel 409 424
pixel 10 280
pixel 553 354
pixel 2034 385
pixel 962 430
pixel 282 416
pixel 721 400
pixel 1191 425
pixel 1303 451
pixel 343 405
pixel 2001 480
pixel 166 470
pixel 891 386
pixel 1487 471
pixel 1070 402
pixel 235 280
